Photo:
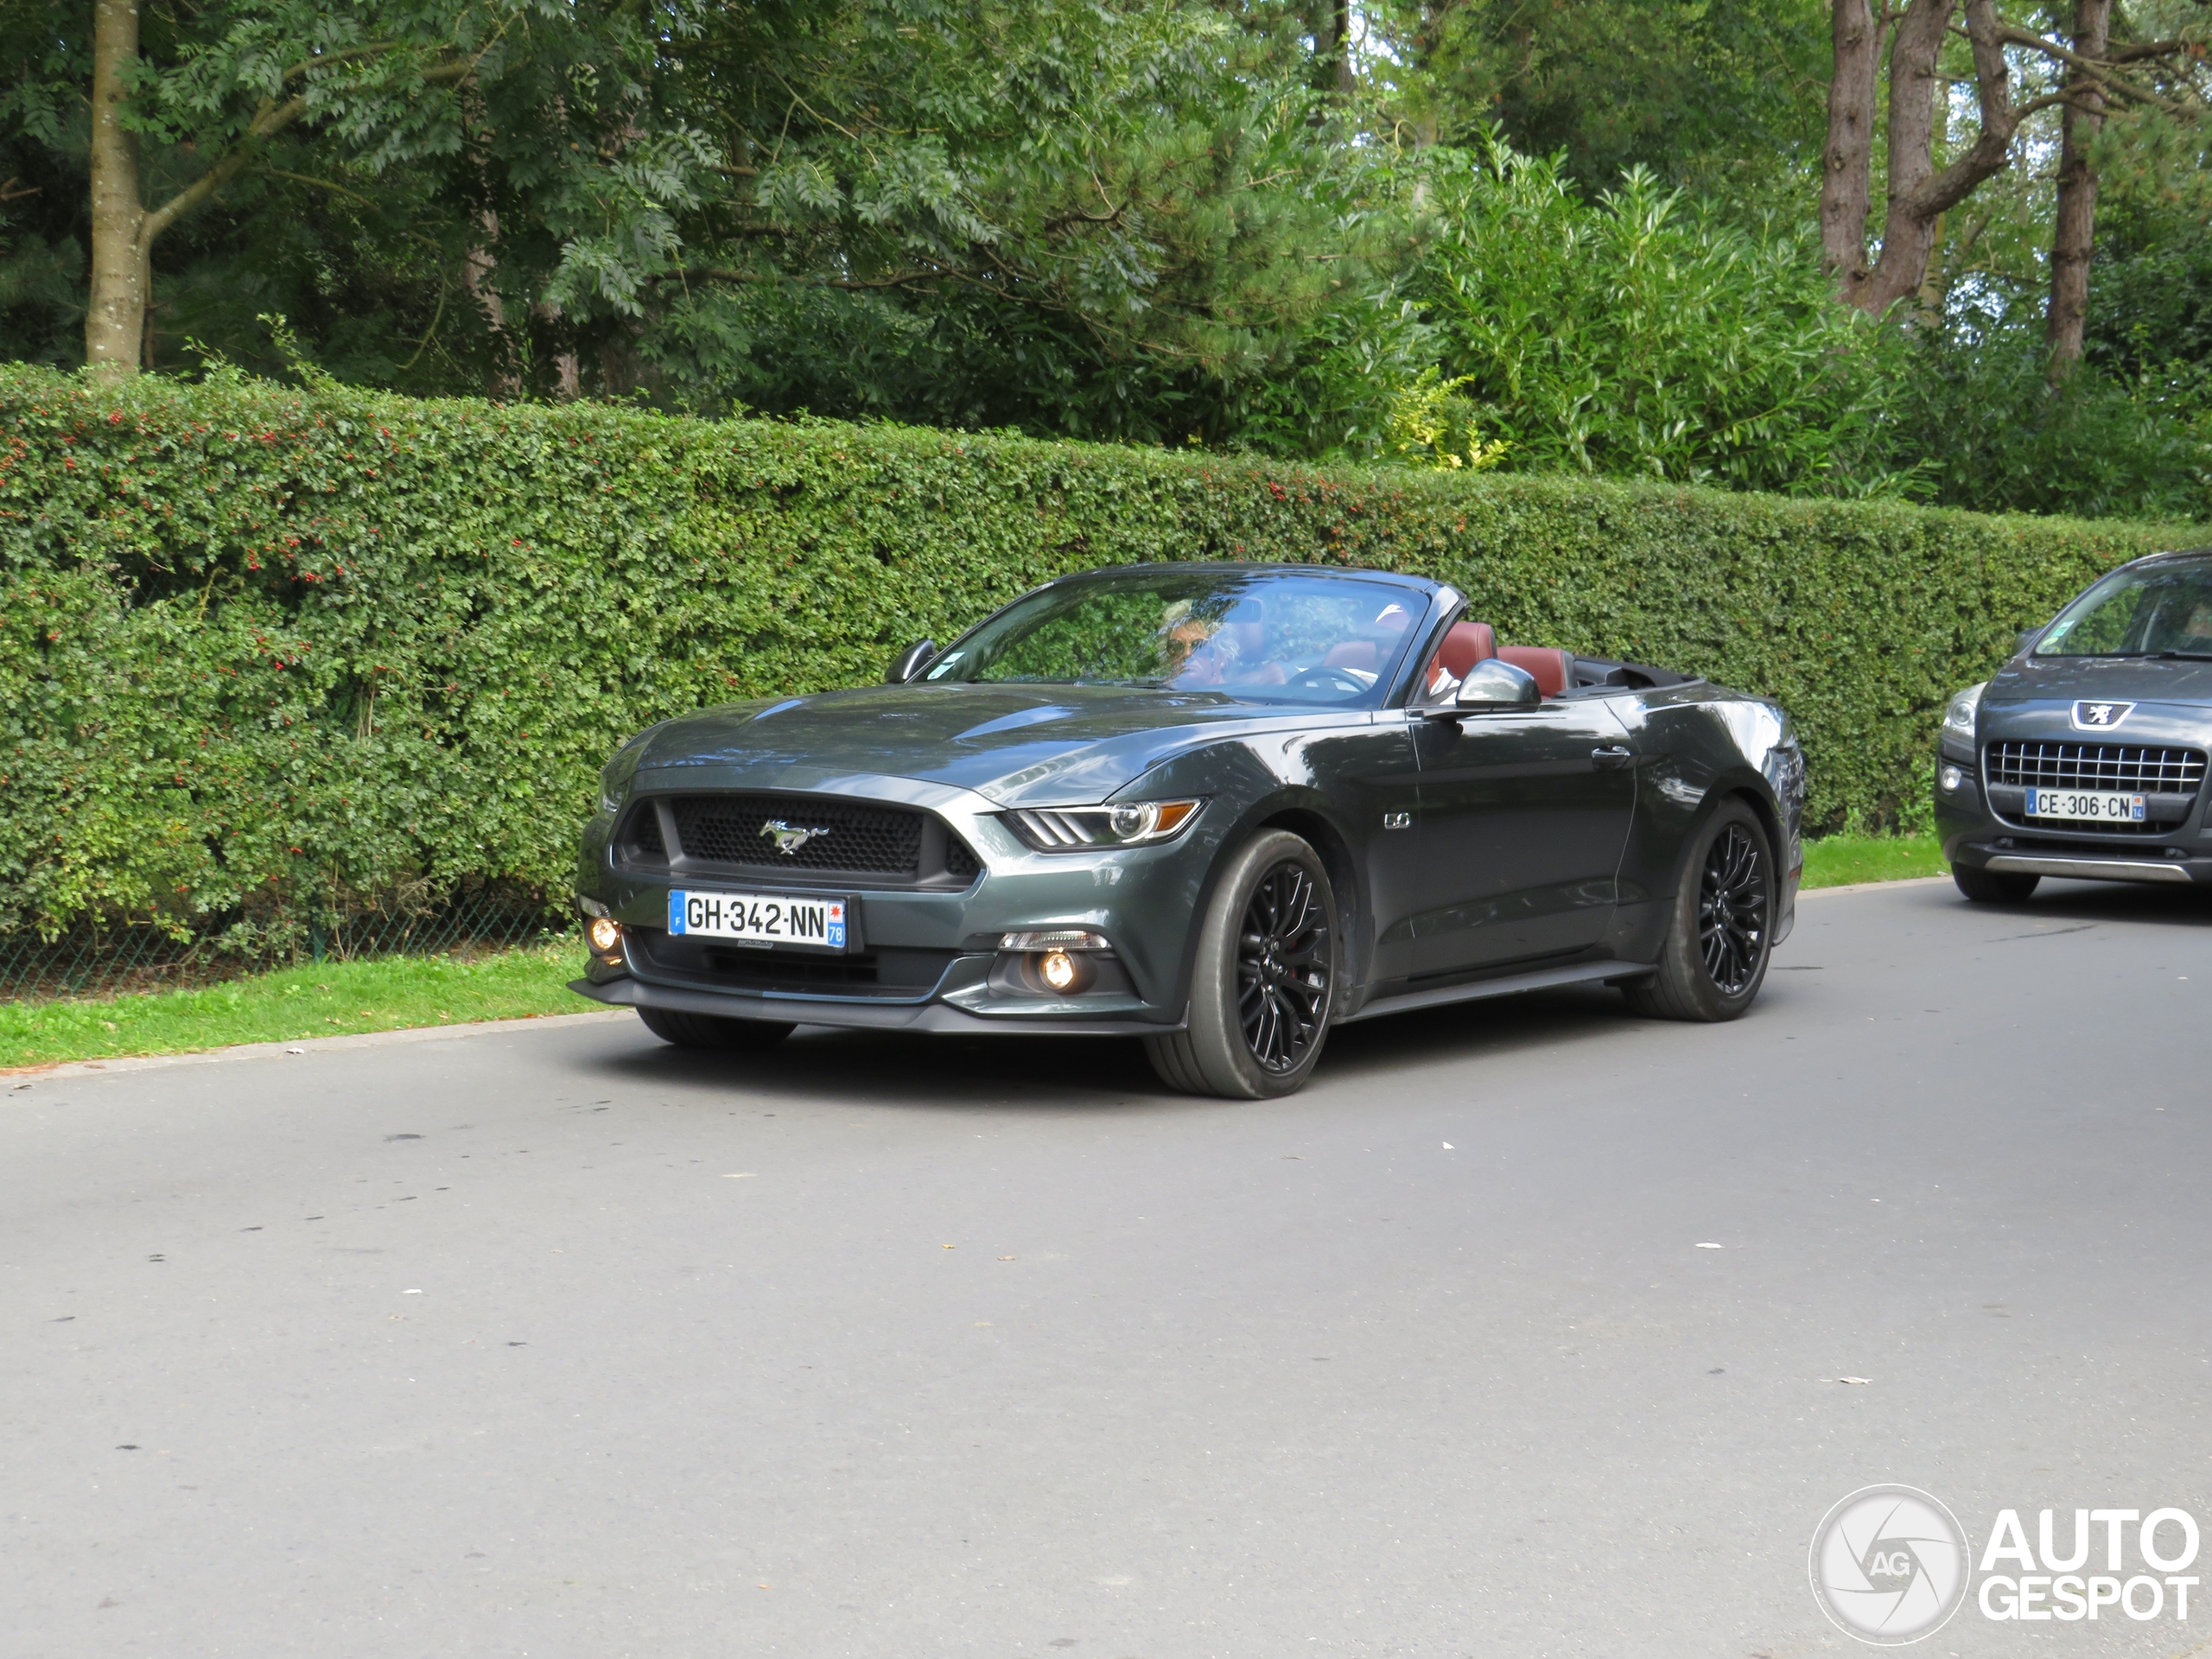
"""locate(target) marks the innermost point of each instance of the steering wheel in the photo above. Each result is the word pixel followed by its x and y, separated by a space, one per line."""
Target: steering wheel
pixel 1329 679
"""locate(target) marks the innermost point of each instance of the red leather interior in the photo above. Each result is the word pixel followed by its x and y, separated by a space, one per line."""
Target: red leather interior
pixel 1464 645
pixel 1353 653
pixel 1553 669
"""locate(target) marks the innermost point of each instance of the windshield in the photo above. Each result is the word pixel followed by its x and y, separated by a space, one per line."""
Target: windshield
pixel 2159 609
pixel 1263 635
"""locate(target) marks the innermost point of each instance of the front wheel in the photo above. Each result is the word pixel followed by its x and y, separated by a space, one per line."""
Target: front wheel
pixel 1992 887
pixel 1715 956
pixel 1265 980
pixel 713 1030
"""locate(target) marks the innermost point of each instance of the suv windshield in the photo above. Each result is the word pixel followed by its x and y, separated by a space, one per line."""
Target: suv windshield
pixel 2152 611
pixel 1270 636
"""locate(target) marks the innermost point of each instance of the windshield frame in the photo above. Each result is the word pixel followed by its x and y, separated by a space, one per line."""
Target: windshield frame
pixel 2141 574
pixel 1420 595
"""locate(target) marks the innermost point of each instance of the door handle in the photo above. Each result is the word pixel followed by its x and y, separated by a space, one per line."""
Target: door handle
pixel 1612 758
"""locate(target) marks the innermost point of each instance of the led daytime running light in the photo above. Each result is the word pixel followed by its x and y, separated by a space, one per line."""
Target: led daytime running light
pixel 1128 823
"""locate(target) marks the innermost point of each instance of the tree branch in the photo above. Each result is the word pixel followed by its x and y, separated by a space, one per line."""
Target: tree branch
pixel 1992 147
pixel 2101 71
pixel 268 120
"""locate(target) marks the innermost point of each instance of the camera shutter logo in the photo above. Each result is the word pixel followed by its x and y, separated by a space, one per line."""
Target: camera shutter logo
pixel 1889 1564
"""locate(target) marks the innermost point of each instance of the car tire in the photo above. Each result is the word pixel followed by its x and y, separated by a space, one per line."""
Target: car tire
pixel 1718 945
pixel 714 1031
pixel 1994 887
pixel 1263 985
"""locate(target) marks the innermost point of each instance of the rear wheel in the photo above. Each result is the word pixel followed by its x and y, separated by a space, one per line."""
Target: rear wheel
pixel 1992 887
pixel 1265 979
pixel 713 1030
pixel 1715 957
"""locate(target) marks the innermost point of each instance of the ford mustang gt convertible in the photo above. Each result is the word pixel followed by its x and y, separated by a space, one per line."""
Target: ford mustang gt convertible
pixel 2084 755
pixel 1218 807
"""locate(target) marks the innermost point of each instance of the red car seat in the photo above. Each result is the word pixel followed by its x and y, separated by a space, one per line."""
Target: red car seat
pixel 1464 645
pixel 1553 669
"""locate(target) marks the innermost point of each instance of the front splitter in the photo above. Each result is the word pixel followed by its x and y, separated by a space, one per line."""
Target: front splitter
pixel 860 1016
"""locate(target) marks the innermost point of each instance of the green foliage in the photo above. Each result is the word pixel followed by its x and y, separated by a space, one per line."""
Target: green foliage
pixel 1973 407
pixel 1431 424
pixel 1637 335
pixel 1728 99
pixel 262 650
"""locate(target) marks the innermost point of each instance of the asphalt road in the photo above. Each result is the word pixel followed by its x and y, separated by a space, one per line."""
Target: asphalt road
pixel 558 1342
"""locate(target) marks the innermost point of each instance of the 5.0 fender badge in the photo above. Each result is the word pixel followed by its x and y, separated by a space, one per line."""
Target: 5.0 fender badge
pixel 789 839
pixel 2099 716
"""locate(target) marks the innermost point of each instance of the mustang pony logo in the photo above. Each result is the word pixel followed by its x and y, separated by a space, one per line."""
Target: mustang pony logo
pixel 788 839
pixel 2099 716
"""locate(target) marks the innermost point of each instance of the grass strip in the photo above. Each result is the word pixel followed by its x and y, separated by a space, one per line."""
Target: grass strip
pixel 327 999
pixel 330 999
pixel 1840 861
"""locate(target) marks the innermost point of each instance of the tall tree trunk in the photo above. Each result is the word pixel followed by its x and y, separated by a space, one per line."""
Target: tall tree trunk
pixel 1919 193
pixel 476 273
pixel 1330 23
pixel 2073 237
pixel 115 320
pixel 1846 176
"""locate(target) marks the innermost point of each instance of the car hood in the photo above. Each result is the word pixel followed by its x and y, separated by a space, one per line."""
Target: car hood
pixel 1019 745
pixel 2134 679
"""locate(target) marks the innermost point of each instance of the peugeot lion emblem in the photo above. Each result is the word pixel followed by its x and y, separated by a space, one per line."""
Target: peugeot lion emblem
pixel 789 839
pixel 2099 716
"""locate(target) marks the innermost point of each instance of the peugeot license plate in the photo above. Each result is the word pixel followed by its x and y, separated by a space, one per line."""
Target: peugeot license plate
pixel 2085 805
pixel 760 918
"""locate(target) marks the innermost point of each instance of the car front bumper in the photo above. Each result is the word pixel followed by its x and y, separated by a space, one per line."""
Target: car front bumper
pixel 1981 836
pixel 937 951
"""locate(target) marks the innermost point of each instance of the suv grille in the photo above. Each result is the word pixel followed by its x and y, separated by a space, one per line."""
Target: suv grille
pixel 2047 764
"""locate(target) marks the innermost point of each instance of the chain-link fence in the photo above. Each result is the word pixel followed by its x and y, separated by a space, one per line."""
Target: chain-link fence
pixel 98 961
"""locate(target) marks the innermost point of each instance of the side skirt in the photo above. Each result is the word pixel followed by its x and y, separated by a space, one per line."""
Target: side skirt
pixel 1581 973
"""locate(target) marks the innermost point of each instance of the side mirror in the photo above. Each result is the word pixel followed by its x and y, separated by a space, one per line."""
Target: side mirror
pixel 908 662
pixel 1491 683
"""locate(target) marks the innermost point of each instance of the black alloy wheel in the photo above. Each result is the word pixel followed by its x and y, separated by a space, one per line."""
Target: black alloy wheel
pixel 1284 959
pixel 1714 957
pixel 1263 976
pixel 1732 910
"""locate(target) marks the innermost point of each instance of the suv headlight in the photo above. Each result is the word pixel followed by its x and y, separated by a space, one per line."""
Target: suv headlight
pixel 1084 829
pixel 1959 717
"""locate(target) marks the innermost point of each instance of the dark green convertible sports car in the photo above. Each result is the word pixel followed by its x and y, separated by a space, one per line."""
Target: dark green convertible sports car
pixel 1219 807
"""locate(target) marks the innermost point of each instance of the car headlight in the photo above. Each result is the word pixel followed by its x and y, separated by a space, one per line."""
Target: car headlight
pixel 1959 716
pixel 1087 828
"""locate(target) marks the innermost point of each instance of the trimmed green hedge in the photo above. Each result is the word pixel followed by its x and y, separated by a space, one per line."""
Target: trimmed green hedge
pixel 263 651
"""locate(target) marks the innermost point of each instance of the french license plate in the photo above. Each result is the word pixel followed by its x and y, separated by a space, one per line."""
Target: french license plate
pixel 760 918
pixel 2085 805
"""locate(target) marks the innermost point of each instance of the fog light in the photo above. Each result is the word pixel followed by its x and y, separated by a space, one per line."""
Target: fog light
pixel 1065 972
pixel 605 934
pixel 1952 777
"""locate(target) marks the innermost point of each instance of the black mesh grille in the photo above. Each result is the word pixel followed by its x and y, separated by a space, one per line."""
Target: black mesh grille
pixel 2047 764
pixel 959 862
pixel 891 974
pixel 799 835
